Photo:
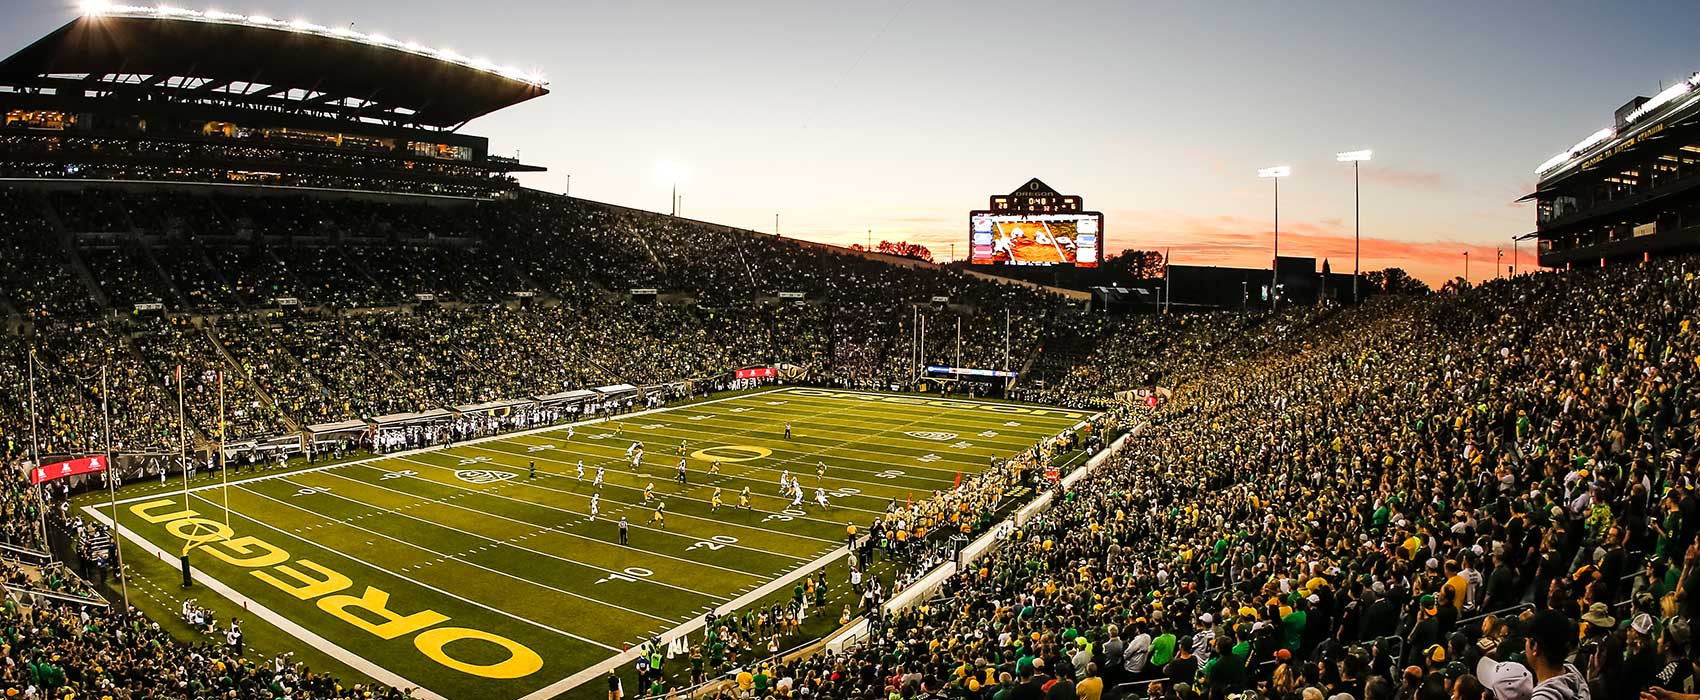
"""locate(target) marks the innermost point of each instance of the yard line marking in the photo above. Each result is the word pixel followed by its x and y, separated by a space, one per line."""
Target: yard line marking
pixel 833 429
pixel 442 556
pixel 550 528
pixel 859 439
pixel 681 496
pixel 676 514
pixel 440 448
pixel 419 583
pixel 487 538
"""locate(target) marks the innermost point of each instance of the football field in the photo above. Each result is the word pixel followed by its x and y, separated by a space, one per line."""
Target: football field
pixel 460 572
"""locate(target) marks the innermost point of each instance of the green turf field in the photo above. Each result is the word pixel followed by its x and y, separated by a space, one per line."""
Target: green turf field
pixel 455 571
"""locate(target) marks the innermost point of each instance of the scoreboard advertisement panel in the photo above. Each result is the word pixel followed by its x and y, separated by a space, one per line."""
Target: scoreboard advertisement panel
pixel 1034 225
pixel 1037 239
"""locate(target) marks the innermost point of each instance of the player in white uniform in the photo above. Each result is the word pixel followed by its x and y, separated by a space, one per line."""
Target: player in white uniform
pixel 820 497
pixel 598 477
pixel 581 470
pixel 595 504
pixel 797 500
pixel 784 482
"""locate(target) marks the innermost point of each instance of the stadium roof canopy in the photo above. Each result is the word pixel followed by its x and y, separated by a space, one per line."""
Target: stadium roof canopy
pixel 264 64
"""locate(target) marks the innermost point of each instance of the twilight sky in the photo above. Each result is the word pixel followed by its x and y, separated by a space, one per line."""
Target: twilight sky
pixel 900 116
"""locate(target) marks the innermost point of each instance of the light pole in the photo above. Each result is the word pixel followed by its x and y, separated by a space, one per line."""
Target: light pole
pixel 670 173
pixel 1466 268
pixel 1276 173
pixel 1354 157
pixel 1513 256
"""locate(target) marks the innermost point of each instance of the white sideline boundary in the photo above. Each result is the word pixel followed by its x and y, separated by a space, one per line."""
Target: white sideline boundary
pixel 353 660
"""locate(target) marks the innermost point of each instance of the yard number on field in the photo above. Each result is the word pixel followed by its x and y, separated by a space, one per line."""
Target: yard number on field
pixel 713 543
pixel 310 490
pixel 398 474
pixel 631 575
pixel 890 473
pixel 539 448
pixel 784 515
pixel 929 458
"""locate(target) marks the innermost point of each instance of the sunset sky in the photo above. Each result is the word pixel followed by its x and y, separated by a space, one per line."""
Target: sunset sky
pixel 900 116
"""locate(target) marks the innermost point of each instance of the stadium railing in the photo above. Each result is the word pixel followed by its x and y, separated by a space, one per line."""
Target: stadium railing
pixel 25 555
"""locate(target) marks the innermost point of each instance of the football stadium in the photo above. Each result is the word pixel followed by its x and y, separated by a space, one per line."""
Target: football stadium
pixel 306 392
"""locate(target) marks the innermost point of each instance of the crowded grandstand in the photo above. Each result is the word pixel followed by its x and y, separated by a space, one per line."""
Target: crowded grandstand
pixel 322 297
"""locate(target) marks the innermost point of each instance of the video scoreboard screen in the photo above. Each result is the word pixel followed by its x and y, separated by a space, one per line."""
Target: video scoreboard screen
pixel 1036 226
pixel 1037 239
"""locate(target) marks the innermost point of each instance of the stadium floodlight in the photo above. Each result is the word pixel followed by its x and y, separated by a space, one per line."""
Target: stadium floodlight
pixel 668 172
pixel 1275 174
pixel 103 8
pixel 1593 140
pixel 1354 157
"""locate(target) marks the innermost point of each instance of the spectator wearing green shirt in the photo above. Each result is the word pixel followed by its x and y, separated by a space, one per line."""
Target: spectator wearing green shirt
pixel 1162 649
pixel 1293 626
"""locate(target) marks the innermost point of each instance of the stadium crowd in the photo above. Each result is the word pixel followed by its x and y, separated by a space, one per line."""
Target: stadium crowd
pixel 319 310
pixel 1483 493
pixel 1464 496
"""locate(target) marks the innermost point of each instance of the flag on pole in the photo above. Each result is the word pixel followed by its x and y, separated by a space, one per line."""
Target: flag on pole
pixel 72 467
pixel 958 483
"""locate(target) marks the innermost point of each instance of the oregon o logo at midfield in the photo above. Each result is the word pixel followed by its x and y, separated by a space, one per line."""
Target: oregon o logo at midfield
pixel 741 453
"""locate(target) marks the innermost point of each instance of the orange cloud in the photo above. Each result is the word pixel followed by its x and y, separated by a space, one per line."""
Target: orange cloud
pixel 1242 242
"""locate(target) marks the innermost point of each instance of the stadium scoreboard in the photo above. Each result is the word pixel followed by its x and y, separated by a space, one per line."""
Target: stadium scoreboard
pixel 1034 225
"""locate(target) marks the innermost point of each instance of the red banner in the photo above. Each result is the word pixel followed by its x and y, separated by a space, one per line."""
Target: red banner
pixel 60 470
pixel 756 373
